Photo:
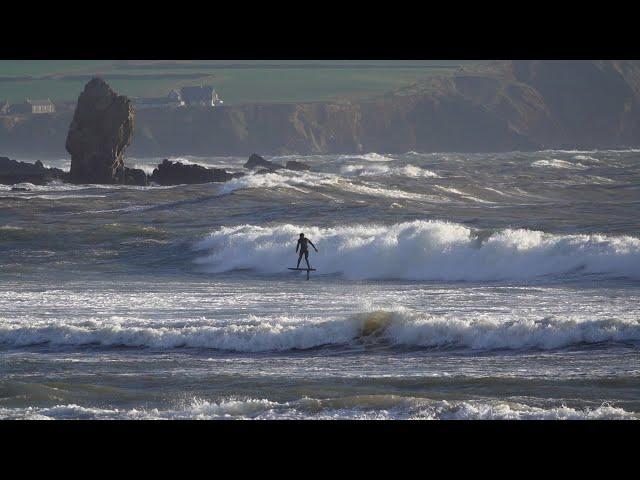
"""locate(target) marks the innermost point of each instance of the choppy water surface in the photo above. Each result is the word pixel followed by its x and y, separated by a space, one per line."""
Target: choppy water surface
pixel 449 286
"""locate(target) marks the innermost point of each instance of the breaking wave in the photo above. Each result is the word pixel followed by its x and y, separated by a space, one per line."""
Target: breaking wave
pixel 359 407
pixel 369 157
pixel 459 194
pixel 399 328
pixel 423 250
pixel 299 181
pixel 557 163
pixel 277 180
pixel 373 170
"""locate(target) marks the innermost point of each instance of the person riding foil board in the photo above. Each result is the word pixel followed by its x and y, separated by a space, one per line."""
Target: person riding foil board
pixel 304 249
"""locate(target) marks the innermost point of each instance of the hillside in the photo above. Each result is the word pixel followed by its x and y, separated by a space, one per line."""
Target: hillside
pixel 509 105
pixel 237 81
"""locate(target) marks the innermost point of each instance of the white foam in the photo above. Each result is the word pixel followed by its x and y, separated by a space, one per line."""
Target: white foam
pixel 146 168
pixel 374 170
pixel 59 197
pixel 422 250
pixel 498 410
pixel 586 158
pixel 557 163
pixel 461 194
pixel 278 180
pixel 296 180
pixel 399 327
pixel 490 333
pixel 374 190
pixel 263 335
pixel 54 186
pixel 416 172
pixel 362 407
pixel 494 190
pixel 369 157
pixel 598 180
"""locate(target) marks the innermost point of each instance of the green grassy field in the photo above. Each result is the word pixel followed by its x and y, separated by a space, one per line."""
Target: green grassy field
pixel 241 81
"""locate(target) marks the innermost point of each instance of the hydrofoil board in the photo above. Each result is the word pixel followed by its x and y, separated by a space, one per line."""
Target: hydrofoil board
pixel 304 270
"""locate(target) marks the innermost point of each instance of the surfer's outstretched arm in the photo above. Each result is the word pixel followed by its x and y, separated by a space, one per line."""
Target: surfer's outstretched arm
pixel 314 247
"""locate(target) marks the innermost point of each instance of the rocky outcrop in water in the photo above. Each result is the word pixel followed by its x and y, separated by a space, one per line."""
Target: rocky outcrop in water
pixel 13 172
pixel 298 166
pixel 261 166
pixel 256 161
pixel 177 173
pixel 101 130
pixel 135 176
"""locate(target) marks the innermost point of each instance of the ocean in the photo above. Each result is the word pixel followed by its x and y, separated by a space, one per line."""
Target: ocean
pixel 448 286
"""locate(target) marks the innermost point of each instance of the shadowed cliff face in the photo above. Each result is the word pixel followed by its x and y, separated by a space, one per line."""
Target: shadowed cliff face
pixel 274 128
pixel 34 136
pixel 592 103
pixel 507 105
pixel 387 125
pixel 99 133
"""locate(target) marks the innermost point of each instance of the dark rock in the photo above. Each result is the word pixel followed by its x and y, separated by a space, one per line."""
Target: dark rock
pixel 256 161
pixel 13 172
pixel 177 173
pixel 220 175
pixel 100 131
pixel 294 165
pixel 135 176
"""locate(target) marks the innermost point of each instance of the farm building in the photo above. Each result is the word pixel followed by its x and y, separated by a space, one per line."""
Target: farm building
pixel 203 95
pixel 34 106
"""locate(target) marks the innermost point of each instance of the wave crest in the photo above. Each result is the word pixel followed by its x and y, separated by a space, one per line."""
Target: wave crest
pixel 399 328
pixel 356 407
pixel 422 250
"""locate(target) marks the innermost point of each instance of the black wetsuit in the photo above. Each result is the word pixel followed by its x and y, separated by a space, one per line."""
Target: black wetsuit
pixel 304 250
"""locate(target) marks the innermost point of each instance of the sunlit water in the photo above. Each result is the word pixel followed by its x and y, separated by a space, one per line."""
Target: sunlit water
pixel 449 286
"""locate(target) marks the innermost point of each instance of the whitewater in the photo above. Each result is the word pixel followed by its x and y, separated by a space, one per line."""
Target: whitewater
pixel 449 286
pixel 425 250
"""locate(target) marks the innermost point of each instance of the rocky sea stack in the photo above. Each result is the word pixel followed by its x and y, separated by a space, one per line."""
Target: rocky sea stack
pixel 100 131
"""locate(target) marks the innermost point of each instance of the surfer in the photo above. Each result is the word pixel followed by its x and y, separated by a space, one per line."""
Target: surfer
pixel 304 249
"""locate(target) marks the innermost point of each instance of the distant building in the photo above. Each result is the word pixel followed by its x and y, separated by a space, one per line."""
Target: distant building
pixel 34 107
pixel 203 95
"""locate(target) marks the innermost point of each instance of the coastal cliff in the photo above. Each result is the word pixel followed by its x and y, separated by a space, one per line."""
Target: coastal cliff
pixel 506 105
